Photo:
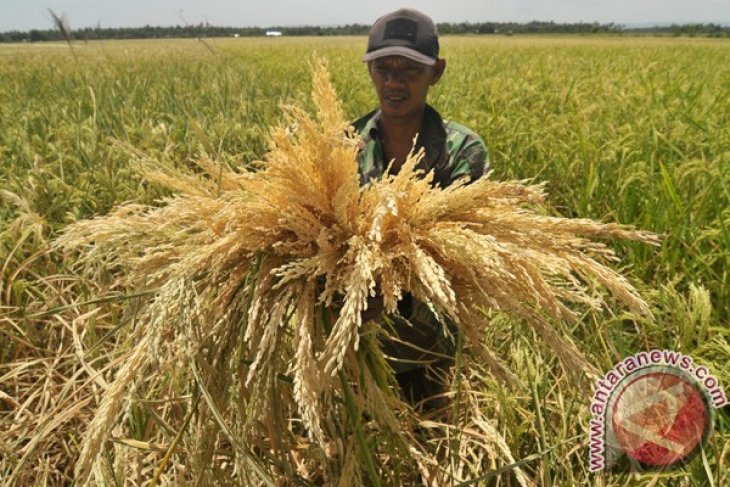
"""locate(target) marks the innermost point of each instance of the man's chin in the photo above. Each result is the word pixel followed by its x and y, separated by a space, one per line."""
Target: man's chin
pixel 402 112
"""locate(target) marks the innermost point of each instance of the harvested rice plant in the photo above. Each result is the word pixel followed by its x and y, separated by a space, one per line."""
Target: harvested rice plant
pixel 185 255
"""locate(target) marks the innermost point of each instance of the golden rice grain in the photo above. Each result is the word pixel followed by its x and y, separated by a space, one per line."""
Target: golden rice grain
pixel 299 240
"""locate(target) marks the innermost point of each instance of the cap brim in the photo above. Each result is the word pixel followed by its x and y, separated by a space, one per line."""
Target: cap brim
pixel 399 51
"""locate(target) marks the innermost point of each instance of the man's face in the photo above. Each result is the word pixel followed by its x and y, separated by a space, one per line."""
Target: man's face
pixel 402 84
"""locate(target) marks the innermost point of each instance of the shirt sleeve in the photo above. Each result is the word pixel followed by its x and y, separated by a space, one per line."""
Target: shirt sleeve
pixel 470 159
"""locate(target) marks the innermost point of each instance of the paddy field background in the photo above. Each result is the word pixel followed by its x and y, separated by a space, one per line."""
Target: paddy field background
pixel 622 129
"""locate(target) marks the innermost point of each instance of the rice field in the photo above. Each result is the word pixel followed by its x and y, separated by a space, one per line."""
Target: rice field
pixel 626 130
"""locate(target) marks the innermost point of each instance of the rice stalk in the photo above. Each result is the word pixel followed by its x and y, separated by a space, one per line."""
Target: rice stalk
pixel 264 276
pixel 61 24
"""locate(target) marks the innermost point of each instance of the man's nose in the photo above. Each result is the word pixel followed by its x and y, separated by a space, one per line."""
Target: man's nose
pixel 394 77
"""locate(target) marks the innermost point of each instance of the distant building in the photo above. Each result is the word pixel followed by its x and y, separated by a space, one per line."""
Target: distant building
pixel 273 33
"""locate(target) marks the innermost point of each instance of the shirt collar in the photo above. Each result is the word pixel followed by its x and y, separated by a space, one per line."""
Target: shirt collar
pixel 370 130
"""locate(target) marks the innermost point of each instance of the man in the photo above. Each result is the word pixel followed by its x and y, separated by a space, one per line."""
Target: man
pixel 403 62
pixel 402 59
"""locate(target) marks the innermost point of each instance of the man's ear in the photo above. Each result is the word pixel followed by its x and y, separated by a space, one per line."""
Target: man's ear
pixel 438 70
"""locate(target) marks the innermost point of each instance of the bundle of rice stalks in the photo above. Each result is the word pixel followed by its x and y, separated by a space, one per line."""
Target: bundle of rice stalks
pixel 261 279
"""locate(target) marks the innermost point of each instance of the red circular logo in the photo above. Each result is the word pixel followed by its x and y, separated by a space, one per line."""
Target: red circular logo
pixel 659 418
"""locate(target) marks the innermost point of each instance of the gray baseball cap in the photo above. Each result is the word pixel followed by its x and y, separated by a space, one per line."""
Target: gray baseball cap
pixel 405 32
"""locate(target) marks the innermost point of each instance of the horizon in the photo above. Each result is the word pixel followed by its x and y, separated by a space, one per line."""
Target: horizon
pixel 629 25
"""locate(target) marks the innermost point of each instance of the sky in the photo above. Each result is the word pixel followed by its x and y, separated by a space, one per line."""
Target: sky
pixel 33 14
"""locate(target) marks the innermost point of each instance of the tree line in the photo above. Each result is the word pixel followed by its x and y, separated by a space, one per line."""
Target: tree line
pixel 499 28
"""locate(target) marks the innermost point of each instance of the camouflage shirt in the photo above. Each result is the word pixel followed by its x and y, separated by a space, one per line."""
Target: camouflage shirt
pixel 452 150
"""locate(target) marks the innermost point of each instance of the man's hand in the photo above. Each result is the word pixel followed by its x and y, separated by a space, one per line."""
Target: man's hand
pixel 375 307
